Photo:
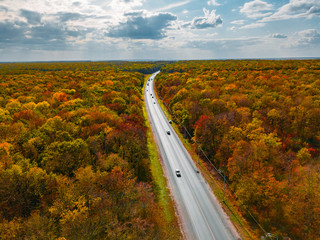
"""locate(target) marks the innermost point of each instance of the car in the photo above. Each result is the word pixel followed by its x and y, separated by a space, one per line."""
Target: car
pixel 168 132
pixel 154 103
pixel 178 173
pixel 170 121
pixel 148 84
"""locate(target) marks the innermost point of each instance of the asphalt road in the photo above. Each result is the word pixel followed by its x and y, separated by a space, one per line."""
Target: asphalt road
pixel 201 215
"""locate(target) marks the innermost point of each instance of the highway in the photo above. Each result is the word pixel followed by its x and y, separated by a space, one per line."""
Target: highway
pixel 199 211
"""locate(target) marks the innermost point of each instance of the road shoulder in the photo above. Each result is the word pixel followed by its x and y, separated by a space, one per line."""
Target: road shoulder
pixel 161 185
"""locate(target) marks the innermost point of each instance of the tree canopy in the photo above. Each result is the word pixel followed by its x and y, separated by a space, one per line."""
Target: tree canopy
pixel 258 121
pixel 73 152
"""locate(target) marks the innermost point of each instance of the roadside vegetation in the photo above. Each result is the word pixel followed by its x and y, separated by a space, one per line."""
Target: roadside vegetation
pixel 215 181
pixel 160 184
pixel 257 122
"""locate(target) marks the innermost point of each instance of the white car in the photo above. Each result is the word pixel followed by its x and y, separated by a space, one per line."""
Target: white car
pixel 178 173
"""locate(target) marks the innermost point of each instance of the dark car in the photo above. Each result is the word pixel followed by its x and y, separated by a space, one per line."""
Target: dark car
pixel 168 132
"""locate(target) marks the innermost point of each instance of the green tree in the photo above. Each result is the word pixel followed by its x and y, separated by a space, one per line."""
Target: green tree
pixel 65 157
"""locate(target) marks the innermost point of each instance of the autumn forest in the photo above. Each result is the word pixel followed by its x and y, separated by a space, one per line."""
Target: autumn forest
pixel 259 122
pixel 74 159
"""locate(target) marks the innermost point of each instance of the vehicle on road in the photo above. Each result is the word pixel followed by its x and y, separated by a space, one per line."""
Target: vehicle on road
pixel 170 121
pixel 201 214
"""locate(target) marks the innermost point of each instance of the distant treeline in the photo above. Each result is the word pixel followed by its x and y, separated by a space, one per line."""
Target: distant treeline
pixel 142 67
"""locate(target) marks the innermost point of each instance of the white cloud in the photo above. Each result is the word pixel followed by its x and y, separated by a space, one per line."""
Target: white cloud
pixel 309 37
pixel 253 25
pixel 278 35
pixel 226 48
pixel 296 9
pixel 212 35
pixel 123 5
pixel 56 24
pixel 238 22
pixel 97 9
pixel 171 6
pixel 213 3
pixel 140 25
pixel 305 41
pixel 210 20
pixel 256 9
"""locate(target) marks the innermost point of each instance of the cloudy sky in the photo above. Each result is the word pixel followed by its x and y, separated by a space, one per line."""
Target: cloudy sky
pixel 53 30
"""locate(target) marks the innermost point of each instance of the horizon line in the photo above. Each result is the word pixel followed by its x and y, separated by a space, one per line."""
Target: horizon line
pixel 163 60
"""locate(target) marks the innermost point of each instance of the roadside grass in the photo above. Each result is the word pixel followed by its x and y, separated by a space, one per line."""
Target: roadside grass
pixel 216 183
pixel 160 183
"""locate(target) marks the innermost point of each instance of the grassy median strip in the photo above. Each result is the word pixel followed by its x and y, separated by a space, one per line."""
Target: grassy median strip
pixel 160 184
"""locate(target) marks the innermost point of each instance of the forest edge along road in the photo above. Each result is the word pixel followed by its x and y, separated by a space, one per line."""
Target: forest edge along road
pixel 201 214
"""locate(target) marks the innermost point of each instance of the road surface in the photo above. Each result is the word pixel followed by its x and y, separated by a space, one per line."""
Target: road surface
pixel 201 215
